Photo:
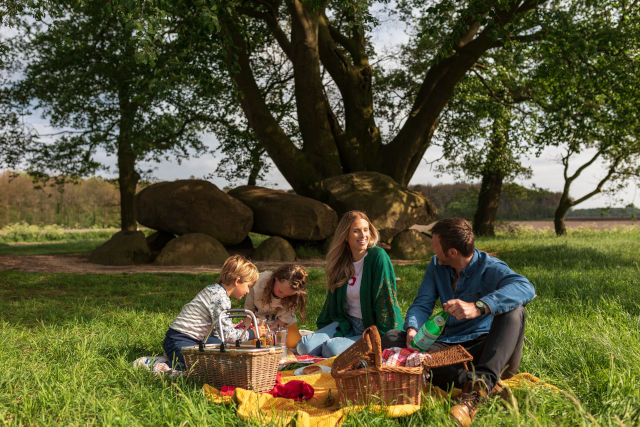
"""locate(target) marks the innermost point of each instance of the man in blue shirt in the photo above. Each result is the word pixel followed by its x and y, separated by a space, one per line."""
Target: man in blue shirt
pixel 485 300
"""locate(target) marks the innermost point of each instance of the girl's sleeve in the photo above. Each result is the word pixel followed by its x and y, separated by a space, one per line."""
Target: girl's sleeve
pixel 287 317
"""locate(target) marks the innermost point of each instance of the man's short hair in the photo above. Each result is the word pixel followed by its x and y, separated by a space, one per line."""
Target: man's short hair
pixel 456 233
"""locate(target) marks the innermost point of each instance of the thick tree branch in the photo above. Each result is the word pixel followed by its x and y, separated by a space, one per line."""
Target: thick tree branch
pixel 311 104
pixel 280 148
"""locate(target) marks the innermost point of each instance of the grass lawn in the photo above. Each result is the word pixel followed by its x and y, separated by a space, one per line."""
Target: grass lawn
pixel 68 341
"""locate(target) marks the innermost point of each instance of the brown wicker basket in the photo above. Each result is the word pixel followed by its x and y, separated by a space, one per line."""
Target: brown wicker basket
pixel 361 378
pixel 249 366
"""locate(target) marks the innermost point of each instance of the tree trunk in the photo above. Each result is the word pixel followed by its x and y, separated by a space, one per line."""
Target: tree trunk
pixel 561 212
pixel 492 177
pixel 488 202
pixel 127 176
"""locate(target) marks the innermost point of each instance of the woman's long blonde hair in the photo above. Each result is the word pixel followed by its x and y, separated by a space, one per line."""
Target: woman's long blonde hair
pixel 339 258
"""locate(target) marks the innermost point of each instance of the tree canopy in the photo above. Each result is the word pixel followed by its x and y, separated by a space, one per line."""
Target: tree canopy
pixel 114 75
pixel 329 103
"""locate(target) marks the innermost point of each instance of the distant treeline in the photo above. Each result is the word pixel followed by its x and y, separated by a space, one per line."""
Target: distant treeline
pixel 517 203
pixel 630 212
pixel 95 202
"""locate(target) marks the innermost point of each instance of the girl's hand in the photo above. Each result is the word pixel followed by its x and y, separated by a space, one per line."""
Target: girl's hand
pixel 262 330
pixel 279 324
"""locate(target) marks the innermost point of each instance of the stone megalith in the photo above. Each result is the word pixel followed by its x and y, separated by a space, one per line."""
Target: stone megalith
pixel 124 248
pixel 158 240
pixel 410 244
pixel 390 207
pixel 194 206
pixel 192 249
pixel 289 215
pixel 274 249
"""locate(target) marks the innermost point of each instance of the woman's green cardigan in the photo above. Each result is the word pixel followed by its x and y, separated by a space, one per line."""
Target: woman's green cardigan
pixel 378 299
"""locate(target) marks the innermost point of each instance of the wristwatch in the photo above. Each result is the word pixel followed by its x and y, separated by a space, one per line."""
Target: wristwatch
pixel 482 307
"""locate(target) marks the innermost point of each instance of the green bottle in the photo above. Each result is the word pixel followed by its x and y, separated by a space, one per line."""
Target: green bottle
pixel 430 331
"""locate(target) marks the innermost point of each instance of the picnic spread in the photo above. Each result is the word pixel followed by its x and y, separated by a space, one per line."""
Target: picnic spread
pixel 324 409
pixel 391 382
pixel 324 391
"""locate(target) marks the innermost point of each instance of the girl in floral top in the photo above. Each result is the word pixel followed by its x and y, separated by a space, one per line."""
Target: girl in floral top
pixel 277 296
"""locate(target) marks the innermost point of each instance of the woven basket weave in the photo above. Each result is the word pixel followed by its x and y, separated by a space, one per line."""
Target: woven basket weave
pixel 247 367
pixel 361 378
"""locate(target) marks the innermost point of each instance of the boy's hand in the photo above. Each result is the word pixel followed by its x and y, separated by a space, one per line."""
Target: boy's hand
pixel 244 324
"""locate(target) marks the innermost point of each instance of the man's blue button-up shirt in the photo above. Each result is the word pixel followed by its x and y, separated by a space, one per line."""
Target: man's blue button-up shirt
pixel 485 278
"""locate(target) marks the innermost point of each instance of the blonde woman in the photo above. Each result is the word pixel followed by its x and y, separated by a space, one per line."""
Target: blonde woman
pixel 362 289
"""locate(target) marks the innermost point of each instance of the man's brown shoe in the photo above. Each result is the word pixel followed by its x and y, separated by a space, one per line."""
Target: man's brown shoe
pixel 470 400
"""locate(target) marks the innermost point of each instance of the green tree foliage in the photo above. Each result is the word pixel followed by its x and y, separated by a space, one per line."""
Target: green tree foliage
pixel 15 136
pixel 318 96
pixel 589 96
pixel 484 131
pixel 114 75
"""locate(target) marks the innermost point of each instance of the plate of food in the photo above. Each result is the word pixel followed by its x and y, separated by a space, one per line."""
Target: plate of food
pixel 312 369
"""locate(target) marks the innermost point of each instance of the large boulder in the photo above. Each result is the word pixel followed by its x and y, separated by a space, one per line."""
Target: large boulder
pixel 124 248
pixel 158 240
pixel 192 249
pixel 274 249
pixel 411 244
pixel 194 206
pixel 288 215
pixel 389 206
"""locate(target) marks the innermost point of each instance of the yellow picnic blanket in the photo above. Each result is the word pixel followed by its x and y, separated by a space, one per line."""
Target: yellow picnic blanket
pixel 323 410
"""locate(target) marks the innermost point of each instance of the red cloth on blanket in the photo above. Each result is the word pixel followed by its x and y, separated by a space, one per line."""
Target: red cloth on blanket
pixel 294 389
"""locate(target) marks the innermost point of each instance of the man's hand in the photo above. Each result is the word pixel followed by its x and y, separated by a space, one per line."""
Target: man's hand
pixel 461 309
pixel 411 332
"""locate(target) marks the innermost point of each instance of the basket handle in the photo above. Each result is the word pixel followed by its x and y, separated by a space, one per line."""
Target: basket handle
pixel 231 313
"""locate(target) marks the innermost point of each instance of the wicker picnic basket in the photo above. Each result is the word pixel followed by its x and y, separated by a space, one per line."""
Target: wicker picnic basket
pixel 362 379
pixel 244 365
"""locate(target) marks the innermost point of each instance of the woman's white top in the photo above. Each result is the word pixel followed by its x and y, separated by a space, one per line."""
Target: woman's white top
pixel 352 305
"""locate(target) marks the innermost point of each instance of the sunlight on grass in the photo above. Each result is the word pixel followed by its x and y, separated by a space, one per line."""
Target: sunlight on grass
pixel 68 341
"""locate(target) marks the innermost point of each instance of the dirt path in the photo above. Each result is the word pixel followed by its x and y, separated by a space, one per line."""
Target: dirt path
pixel 79 264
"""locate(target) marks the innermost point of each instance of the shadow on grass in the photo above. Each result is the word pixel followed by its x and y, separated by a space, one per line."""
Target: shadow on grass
pixel 30 299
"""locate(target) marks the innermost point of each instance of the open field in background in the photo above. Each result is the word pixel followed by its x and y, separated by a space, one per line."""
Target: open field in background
pixel 68 340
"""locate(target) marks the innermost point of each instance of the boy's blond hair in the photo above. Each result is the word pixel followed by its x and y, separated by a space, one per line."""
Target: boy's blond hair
pixel 238 267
